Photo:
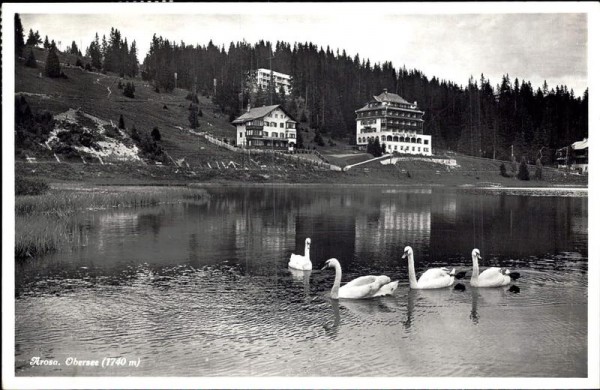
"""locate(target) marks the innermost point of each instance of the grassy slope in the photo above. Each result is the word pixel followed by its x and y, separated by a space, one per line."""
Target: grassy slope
pixel 89 91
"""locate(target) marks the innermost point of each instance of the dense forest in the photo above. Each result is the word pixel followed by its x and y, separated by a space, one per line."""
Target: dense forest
pixel 479 119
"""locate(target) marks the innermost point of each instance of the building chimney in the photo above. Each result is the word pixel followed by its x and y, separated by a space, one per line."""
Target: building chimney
pixel 385 90
pixel 248 110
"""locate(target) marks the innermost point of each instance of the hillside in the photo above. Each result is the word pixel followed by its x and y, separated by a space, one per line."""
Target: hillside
pixel 85 145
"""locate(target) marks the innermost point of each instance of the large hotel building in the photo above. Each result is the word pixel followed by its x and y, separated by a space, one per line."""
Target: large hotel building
pixel 395 122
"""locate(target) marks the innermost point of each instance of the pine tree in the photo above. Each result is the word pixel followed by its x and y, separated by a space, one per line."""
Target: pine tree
pixel 19 39
pixel 193 117
pixel 31 62
pixel 52 63
pixel 46 43
pixel 523 170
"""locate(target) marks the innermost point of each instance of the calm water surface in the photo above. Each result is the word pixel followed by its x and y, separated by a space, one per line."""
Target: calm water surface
pixel 203 289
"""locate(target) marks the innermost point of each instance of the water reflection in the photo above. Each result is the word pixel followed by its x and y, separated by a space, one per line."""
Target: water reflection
pixel 332 327
pixel 302 277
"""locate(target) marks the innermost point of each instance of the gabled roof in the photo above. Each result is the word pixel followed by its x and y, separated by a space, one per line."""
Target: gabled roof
pixel 390 97
pixel 579 145
pixel 259 112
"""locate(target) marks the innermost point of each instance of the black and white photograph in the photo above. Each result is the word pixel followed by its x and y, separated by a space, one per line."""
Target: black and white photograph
pixel 300 195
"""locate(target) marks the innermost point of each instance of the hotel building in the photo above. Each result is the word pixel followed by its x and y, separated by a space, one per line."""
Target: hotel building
pixel 394 122
pixel 266 126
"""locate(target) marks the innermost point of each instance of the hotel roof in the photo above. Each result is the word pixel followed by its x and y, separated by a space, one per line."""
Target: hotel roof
pixel 259 112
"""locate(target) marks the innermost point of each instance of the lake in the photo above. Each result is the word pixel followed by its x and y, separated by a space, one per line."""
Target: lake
pixel 203 288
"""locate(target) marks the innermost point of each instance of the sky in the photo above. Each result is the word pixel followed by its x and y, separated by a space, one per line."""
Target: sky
pixel 450 45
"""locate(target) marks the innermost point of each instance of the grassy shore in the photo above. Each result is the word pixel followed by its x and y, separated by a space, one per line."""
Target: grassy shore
pixel 48 222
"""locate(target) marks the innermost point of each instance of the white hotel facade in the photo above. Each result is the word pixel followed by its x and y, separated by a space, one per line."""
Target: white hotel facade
pixel 263 79
pixel 266 126
pixel 394 122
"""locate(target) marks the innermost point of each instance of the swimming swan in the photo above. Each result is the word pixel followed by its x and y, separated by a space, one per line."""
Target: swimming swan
pixel 301 262
pixel 432 278
pixel 491 277
pixel 361 287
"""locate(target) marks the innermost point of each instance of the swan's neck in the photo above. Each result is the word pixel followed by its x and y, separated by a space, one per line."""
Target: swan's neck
pixel 336 283
pixel 306 252
pixel 475 274
pixel 412 277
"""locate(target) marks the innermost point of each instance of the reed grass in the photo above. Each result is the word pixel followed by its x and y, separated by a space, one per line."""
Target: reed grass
pixel 67 202
pixel 46 223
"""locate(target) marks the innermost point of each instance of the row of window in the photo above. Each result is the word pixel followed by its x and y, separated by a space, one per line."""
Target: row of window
pixel 390 138
pixel 391 104
pixel 388 113
pixel 409 148
pixel 251 133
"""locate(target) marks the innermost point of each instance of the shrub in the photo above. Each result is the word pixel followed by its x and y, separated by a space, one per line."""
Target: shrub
pixel 25 186
pixel 79 63
pixel 503 170
pixel 129 90
pixel 523 170
pixel 88 67
pixel 155 134
pixel 135 135
pixel 121 122
pixel 538 169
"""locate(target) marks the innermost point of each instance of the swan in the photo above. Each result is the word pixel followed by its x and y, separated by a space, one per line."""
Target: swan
pixel 301 262
pixel 362 287
pixel 432 278
pixel 491 277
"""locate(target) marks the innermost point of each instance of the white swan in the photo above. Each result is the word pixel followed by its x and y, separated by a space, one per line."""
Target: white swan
pixel 362 287
pixel 491 277
pixel 432 278
pixel 301 262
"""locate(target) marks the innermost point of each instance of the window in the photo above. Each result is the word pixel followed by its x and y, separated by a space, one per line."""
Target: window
pixel 241 135
pixel 281 125
pixel 426 142
pixel 413 148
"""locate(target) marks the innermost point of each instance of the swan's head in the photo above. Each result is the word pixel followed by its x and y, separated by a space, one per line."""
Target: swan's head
pixel 330 263
pixel 476 254
pixel 407 252
pixel 307 242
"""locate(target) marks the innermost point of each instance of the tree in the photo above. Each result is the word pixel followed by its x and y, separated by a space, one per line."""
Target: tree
pixel 538 169
pixel 523 170
pixel 33 39
pixel 299 140
pixel 94 51
pixel 19 38
pixel 135 135
pixel 52 64
pixel 121 122
pixel 318 138
pixel 46 43
pixel 129 90
pixel 31 62
pixel 155 134
pixel 193 117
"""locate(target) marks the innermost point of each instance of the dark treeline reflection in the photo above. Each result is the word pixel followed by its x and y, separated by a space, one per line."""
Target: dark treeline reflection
pixel 256 230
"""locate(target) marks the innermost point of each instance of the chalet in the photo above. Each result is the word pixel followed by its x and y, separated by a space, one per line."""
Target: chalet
pixel 394 122
pixel 261 78
pixel 266 126
pixel 575 155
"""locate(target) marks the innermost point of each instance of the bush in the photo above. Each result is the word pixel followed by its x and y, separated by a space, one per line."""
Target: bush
pixel 79 63
pixel 25 186
pixel 503 172
pixel 135 135
pixel 523 170
pixel 155 134
pixel 129 90
pixel 88 67
pixel 538 169
pixel 121 122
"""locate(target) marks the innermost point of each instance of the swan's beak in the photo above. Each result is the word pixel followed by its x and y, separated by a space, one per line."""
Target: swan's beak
pixel 404 255
pixel 325 266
